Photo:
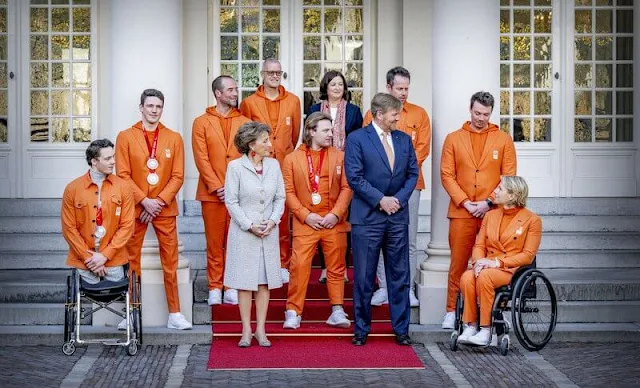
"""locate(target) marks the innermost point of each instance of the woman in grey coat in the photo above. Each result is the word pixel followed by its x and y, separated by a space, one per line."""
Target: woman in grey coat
pixel 254 196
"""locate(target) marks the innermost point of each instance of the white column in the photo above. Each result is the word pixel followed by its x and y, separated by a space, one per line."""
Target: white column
pixel 145 51
pixel 466 53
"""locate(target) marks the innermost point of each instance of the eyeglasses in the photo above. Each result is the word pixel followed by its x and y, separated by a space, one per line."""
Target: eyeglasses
pixel 273 73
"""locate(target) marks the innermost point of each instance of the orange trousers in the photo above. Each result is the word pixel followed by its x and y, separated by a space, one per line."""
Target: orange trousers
pixel 216 226
pixel 165 228
pixel 334 246
pixel 462 237
pixel 284 230
pixel 481 290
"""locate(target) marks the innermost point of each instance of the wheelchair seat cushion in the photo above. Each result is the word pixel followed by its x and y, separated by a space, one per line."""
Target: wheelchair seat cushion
pixel 506 288
pixel 105 287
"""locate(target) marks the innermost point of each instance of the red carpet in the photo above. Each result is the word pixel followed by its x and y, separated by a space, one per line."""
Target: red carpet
pixel 312 353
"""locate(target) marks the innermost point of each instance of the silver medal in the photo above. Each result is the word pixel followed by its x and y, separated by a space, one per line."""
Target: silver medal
pixel 152 164
pixel 315 198
pixel 100 231
pixel 153 179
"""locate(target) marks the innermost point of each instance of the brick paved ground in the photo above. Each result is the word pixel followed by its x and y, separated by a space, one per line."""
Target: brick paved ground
pixel 35 366
pixel 596 365
pixel 584 364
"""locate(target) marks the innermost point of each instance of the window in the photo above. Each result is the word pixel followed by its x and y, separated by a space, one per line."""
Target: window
pixel 4 92
pixel 249 33
pixel 526 69
pixel 603 71
pixel 60 55
pixel 333 39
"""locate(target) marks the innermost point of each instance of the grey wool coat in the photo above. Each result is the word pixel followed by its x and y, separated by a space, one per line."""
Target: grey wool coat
pixel 251 198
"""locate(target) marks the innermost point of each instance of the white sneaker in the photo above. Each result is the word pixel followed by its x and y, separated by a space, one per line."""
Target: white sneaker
pixel 449 321
pixel 413 301
pixel 230 296
pixel 339 318
pixel 323 276
pixel 285 275
pixel 291 320
pixel 481 338
pixel 379 297
pixel 123 324
pixel 215 297
pixel 178 321
pixel 469 331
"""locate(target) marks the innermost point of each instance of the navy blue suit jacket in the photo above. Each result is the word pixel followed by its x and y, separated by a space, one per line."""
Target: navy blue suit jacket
pixel 352 117
pixel 370 177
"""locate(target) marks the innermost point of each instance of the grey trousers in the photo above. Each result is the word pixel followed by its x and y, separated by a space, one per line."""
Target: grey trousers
pixel 113 274
pixel 414 204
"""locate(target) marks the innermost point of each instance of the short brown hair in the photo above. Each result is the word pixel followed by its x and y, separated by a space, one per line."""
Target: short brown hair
pixel 151 93
pixel 247 134
pixel 517 186
pixel 384 102
pixel 482 98
pixel 311 124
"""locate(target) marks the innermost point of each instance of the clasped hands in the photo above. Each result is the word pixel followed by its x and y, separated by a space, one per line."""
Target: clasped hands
pixel 151 209
pixel 477 209
pixel 263 229
pixel 95 263
pixel 389 205
pixel 481 264
pixel 318 222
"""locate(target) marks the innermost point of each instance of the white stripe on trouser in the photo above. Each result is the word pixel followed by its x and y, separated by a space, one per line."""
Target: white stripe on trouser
pixel 414 204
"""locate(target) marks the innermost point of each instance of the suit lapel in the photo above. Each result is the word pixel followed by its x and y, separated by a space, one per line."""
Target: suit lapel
pixel 331 162
pixel 515 226
pixel 264 112
pixel 493 227
pixel 232 135
pixel 377 144
pixel 301 159
pixel 466 142
pixel 396 148
pixel 488 145
pixel 139 135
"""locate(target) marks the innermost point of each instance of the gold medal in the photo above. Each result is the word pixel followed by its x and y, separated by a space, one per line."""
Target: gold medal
pixel 152 164
pixel 315 198
pixel 100 232
pixel 153 179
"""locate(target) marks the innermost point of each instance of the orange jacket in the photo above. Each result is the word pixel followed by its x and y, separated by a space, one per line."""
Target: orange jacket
pixel 463 178
pixel 211 152
pixel 414 121
pixel 131 158
pixel 285 136
pixel 78 216
pixel 516 247
pixel 296 184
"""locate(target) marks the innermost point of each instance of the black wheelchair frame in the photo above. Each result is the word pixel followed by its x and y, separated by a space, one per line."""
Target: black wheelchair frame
pixel 526 295
pixel 103 294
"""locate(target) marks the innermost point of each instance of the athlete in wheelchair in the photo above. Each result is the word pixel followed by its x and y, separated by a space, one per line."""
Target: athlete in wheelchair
pixel 97 222
pixel 504 278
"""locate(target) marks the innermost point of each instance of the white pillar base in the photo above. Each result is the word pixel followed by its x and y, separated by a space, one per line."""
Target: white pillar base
pixel 432 287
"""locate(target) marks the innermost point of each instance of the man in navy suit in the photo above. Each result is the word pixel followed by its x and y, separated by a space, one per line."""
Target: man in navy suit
pixel 382 170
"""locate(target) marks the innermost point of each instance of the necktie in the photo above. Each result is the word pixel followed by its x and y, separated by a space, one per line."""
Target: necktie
pixel 387 148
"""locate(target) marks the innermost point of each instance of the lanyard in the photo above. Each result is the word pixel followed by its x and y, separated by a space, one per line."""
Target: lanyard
pixel 314 173
pixel 150 147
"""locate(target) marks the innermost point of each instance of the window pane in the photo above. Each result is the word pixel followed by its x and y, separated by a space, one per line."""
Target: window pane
pixel 583 21
pixel 228 48
pixel 60 133
pixel 354 47
pixel 624 76
pixel 542 103
pixel 582 130
pixel 82 130
pixel 543 21
pixel 60 102
pixel 624 129
pixel 82 47
pixel 583 76
pixel 521 130
pixel 39 19
pixel 505 126
pixel 311 17
pixel 624 103
pixel 81 75
pixel 604 103
pixel 312 48
pixel 542 130
pixel 228 20
pixel 333 20
pixel 60 19
pixel 271 20
pixel 3 75
pixel 603 130
pixel 39 45
pixel 311 75
pixel 250 75
pixel 505 103
pixel 81 20
pixel 39 129
pixel 543 76
pixel 271 47
pixel 583 48
pixel 604 21
pixel 505 76
pixel 354 75
pixel 521 103
pixel 521 47
pixel 505 48
pixel 624 48
pixel 39 75
pixel 521 21
pixel 604 76
pixel 81 102
pixel 505 21
pixel 250 47
pixel 3 108
pixel 542 48
pixel 521 75
pixel 624 22
pixel 333 48
pixel 583 103
pixel 353 20
pixel 60 47
pixel 60 75
pixel 39 103
pixel 604 48
pixel 230 69
pixel 3 48
pixel 250 19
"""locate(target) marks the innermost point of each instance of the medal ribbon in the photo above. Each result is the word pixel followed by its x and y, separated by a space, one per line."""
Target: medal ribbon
pixel 313 173
pixel 152 147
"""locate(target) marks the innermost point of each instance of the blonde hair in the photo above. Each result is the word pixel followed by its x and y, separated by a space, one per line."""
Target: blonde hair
pixel 518 187
pixel 312 124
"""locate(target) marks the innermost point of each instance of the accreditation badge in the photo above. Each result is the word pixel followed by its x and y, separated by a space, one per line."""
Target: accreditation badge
pixel 519 231
pixel 153 179
pixel 288 120
pixel 338 170
pixel 167 153
pixel 316 198
pixel 118 211
pixel 495 154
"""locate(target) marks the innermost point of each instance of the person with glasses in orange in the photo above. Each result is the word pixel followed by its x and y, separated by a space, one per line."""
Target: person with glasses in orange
pixel 273 105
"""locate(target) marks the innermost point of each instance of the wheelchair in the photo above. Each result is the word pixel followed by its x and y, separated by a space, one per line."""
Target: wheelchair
pixel 103 294
pixel 534 311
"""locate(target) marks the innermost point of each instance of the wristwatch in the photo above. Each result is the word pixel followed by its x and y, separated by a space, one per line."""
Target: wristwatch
pixel 489 202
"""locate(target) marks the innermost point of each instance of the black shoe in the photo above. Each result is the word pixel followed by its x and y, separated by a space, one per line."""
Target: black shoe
pixel 359 340
pixel 403 339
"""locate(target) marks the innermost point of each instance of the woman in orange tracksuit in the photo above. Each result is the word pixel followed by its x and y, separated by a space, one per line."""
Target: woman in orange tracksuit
pixel 508 239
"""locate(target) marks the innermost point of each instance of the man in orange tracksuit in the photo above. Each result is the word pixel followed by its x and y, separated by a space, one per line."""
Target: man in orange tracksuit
pixel 212 139
pixel 414 121
pixel 151 159
pixel 98 217
pixel 318 195
pixel 473 159
pixel 271 104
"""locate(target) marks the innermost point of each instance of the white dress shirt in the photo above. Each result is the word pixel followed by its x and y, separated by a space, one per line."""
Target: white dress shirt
pixel 389 139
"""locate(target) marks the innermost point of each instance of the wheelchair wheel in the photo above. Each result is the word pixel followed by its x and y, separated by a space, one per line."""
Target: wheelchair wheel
pixel 68 348
pixel 534 310
pixel 70 309
pixel 132 348
pixel 459 308
pixel 504 345
pixel 136 311
pixel 453 341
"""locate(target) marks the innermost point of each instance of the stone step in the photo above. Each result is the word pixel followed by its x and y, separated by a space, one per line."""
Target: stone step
pixel 599 311
pixel 34 314
pixel 585 206
pixel 588 258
